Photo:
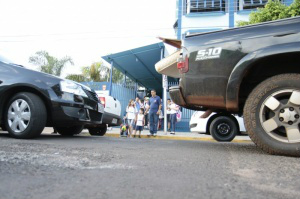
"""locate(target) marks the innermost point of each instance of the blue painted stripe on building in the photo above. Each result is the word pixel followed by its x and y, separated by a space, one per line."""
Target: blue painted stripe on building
pixel 180 9
pixel 231 13
pixel 202 14
pixel 288 2
pixel 202 30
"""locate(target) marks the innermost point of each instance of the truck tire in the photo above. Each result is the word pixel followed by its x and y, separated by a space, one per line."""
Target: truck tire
pixel 98 131
pixel 25 116
pixel 223 129
pixel 69 131
pixel 271 115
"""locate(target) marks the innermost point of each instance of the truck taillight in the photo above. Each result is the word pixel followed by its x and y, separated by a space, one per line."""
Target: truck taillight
pixel 183 64
pixel 102 100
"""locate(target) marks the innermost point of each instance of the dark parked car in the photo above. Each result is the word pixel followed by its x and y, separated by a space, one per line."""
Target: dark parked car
pixel 31 100
pixel 252 71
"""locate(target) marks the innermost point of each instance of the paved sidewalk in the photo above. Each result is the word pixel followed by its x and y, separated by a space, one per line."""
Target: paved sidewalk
pixel 115 132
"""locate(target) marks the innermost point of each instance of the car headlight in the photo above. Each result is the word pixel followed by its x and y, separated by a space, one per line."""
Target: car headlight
pixel 71 87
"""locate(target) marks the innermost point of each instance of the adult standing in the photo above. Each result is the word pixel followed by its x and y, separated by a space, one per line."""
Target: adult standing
pixel 173 116
pixel 154 111
pixel 146 107
pixel 161 116
pixel 137 105
pixel 168 115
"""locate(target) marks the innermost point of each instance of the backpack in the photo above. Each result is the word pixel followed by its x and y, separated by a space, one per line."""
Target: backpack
pixel 178 115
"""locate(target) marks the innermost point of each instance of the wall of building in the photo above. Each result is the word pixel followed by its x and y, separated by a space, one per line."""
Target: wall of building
pixel 191 22
pixel 204 22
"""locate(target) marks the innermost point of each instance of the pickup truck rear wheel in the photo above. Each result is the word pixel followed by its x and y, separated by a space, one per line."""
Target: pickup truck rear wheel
pixel 98 131
pixel 223 129
pixel 69 131
pixel 271 115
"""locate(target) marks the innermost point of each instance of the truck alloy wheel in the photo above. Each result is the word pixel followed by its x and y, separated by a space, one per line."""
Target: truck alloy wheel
pixel 279 116
pixel 271 115
pixel 223 129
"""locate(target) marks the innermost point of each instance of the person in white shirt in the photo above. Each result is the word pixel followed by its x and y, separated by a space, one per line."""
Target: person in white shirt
pixel 130 116
pixel 169 114
pixel 173 116
pixel 140 122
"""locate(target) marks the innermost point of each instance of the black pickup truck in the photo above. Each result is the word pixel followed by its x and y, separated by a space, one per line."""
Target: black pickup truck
pixel 252 71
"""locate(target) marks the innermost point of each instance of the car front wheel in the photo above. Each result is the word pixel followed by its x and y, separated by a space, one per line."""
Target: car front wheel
pixel 25 116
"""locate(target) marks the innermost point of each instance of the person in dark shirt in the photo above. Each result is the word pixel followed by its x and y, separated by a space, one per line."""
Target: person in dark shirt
pixel 154 111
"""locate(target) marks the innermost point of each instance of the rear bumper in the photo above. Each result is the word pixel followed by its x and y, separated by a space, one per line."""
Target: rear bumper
pixel 176 96
pixel 111 119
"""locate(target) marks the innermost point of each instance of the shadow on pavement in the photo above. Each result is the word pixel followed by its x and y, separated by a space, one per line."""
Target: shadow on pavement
pixel 5 134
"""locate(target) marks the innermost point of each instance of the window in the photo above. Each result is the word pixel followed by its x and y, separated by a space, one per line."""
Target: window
pixel 251 4
pixel 198 6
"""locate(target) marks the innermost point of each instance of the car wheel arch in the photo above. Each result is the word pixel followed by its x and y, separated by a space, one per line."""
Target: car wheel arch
pixel 9 93
pixel 218 115
pixel 250 61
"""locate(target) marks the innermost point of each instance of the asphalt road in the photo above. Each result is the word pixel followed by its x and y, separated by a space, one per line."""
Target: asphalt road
pixel 105 167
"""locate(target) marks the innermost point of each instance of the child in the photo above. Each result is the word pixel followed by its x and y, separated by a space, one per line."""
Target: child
pixel 140 121
pixel 123 130
pixel 130 116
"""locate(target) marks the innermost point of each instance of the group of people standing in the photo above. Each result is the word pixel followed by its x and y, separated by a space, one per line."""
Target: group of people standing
pixel 140 112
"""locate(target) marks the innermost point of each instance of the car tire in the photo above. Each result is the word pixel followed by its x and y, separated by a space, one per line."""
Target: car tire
pixel 98 131
pixel 264 115
pixel 69 131
pixel 25 116
pixel 223 129
pixel 3 127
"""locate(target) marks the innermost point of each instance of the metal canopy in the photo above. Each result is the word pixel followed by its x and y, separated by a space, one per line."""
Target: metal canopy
pixel 138 64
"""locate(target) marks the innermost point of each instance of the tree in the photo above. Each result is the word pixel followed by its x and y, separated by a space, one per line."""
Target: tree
pixel 117 76
pixel 294 9
pixel 49 64
pixel 76 78
pixel 273 10
pixel 97 72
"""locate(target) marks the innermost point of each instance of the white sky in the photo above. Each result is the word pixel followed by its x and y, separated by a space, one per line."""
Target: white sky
pixel 82 29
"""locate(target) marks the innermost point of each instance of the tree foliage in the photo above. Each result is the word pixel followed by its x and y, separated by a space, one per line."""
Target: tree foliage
pixel 76 78
pixel 97 72
pixel 117 76
pixel 273 10
pixel 49 64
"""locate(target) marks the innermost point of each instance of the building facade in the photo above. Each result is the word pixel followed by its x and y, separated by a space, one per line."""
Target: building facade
pixel 196 16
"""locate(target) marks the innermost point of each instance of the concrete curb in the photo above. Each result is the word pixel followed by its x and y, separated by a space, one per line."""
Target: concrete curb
pixel 166 137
